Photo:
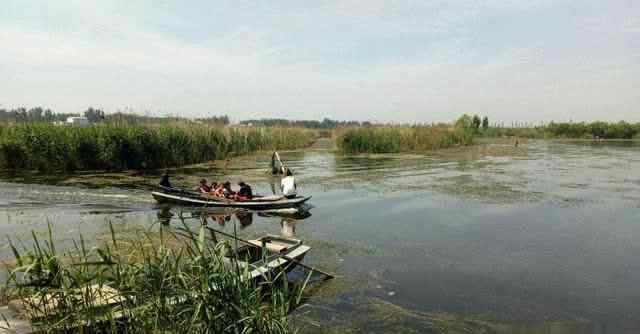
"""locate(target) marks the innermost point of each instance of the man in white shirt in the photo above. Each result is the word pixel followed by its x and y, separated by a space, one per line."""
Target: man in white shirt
pixel 288 185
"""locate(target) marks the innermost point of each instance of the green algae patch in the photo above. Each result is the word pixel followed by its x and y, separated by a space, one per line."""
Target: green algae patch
pixel 376 315
pixel 489 191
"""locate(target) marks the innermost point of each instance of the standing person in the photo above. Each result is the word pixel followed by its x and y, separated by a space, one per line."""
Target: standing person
pixel 288 185
pixel 277 166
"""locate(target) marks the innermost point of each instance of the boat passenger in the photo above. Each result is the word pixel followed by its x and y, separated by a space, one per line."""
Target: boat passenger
pixel 204 188
pixel 288 185
pixel 245 192
pixel 228 192
pixel 219 190
pixel 164 180
pixel 213 186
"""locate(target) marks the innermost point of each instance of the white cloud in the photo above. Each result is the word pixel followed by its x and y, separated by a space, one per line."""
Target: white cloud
pixel 379 60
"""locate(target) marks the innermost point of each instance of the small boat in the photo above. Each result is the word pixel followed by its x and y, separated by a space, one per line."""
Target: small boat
pixel 282 254
pixel 182 197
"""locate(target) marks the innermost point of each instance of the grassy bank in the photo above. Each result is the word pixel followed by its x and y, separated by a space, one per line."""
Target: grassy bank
pixel 394 139
pixel 48 147
pixel 170 284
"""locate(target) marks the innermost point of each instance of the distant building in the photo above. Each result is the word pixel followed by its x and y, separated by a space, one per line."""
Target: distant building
pixel 77 121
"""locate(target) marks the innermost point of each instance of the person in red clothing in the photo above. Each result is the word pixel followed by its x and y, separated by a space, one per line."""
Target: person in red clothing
pixel 219 190
pixel 204 188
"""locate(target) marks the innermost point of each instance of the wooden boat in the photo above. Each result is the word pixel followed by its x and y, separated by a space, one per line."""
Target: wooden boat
pixel 281 254
pixel 176 196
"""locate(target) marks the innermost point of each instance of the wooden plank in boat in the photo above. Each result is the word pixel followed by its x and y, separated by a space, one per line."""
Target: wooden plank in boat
pixel 272 247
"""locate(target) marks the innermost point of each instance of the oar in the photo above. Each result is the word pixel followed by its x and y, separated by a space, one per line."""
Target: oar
pixel 326 274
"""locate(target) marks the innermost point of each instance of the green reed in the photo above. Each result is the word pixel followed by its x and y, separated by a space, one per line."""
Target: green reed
pixel 48 147
pixel 188 288
pixel 394 139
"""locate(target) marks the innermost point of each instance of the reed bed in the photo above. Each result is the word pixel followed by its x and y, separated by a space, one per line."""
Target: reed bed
pixel 156 288
pixel 47 147
pixel 394 139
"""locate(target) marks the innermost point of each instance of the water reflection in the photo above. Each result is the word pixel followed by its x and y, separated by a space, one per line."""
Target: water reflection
pixel 287 218
pixel 165 215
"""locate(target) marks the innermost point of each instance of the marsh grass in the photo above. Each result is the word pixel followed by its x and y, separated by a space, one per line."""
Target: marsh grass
pixel 174 288
pixel 47 147
pixel 395 139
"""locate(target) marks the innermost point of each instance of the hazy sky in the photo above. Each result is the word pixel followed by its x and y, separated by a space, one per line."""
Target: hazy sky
pixel 378 60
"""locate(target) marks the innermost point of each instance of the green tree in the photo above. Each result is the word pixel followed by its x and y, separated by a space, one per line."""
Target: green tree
pixel 464 122
pixel 485 123
pixel 476 122
pixel 94 115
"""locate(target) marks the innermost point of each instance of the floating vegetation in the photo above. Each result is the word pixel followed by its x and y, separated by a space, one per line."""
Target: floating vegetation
pixel 376 315
pixel 145 285
pixel 488 191
pixel 47 147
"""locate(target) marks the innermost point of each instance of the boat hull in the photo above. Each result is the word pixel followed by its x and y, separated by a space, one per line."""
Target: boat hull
pixel 162 197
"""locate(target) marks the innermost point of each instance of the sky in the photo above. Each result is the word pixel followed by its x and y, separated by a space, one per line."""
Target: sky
pixel 374 60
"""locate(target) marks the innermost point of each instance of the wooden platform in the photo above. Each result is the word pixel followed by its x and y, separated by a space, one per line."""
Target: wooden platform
pixel 19 313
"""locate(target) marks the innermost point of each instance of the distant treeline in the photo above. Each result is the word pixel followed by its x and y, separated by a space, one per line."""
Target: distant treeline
pixel 47 147
pixel 310 124
pixel 93 115
pixel 32 115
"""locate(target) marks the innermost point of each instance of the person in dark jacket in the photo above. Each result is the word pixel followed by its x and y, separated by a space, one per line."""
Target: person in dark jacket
pixel 245 191
pixel 164 180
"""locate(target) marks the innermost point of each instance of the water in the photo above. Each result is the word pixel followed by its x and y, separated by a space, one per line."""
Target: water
pixel 536 239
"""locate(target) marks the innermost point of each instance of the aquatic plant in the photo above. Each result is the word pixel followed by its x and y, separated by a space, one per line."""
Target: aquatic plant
pixel 582 130
pixel 48 147
pixel 394 139
pixel 146 286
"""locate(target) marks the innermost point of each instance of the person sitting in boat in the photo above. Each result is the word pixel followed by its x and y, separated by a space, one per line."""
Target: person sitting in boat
pixel 228 192
pixel 219 190
pixel 245 192
pixel 288 185
pixel 204 188
pixel 164 180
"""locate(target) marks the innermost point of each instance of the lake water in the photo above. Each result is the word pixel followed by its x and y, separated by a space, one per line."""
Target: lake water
pixel 542 238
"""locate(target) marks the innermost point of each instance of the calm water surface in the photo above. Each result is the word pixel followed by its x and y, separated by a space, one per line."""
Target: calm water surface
pixel 543 238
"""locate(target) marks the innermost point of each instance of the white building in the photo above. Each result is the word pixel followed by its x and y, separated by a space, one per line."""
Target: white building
pixel 77 121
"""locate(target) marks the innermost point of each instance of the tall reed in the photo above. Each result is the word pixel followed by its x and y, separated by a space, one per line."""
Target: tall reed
pixel 186 289
pixel 48 147
pixel 394 139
